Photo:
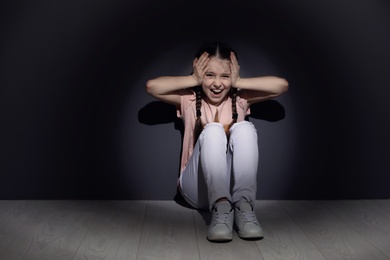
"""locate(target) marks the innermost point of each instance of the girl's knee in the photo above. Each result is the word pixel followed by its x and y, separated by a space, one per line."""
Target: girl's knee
pixel 244 127
pixel 213 129
pixel 213 135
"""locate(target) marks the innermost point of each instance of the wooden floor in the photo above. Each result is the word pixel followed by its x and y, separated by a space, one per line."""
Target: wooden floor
pixel 37 229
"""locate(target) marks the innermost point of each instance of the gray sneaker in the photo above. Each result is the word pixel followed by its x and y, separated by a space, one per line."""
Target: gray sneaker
pixel 221 225
pixel 246 222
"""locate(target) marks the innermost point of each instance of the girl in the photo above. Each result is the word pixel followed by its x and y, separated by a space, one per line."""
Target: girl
pixel 220 150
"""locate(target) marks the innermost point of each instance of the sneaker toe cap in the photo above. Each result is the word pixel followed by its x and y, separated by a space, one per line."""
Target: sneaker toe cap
pixel 251 230
pixel 220 232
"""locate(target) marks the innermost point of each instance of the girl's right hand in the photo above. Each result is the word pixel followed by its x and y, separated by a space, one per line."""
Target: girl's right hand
pixel 200 66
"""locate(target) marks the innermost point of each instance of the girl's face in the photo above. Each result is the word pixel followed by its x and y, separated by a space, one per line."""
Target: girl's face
pixel 217 81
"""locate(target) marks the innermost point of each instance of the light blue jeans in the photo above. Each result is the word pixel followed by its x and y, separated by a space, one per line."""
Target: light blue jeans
pixel 218 169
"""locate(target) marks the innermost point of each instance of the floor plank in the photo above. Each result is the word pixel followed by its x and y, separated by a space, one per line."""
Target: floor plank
pixel 382 206
pixel 283 239
pixel 61 230
pixel 19 219
pixel 115 233
pixel 6 207
pixel 365 220
pixel 236 249
pixel 332 236
pixel 168 232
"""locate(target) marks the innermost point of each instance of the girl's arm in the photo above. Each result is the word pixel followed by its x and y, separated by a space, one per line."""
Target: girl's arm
pixel 167 88
pixel 258 88
pixel 261 88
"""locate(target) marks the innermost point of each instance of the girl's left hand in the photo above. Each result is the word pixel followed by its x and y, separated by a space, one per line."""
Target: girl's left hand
pixel 234 70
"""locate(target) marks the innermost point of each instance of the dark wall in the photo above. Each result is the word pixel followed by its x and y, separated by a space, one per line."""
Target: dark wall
pixel 76 122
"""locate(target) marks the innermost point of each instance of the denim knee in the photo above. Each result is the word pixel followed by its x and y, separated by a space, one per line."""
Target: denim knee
pixel 243 126
pixel 212 132
pixel 244 130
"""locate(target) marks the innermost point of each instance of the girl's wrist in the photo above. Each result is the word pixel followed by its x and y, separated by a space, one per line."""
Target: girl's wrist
pixel 236 83
pixel 195 80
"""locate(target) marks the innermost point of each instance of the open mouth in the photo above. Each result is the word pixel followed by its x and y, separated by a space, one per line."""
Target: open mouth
pixel 216 91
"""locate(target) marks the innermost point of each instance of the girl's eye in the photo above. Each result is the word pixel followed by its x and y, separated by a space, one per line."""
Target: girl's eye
pixel 209 75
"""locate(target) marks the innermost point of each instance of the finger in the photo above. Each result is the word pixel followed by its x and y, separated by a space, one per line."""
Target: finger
pixel 203 57
pixel 232 68
pixel 205 69
pixel 233 58
pixel 204 63
pixel 234 65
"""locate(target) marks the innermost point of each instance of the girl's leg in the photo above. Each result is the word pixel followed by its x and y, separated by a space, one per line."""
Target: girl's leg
pixel 213 143
pixel 244 152
pixel 209 163
pixel 213 155
pixel 206 178
pixel 191 182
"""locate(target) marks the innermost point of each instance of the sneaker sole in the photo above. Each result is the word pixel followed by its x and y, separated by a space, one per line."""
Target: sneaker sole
pixel 253 236
pixel 220 238
pixel 250 235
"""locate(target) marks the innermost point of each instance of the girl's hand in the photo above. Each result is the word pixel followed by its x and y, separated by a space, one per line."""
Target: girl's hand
pixel 200 66
pixel 234 70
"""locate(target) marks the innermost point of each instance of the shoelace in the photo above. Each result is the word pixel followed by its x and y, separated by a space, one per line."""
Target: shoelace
pixel 222 218
pixel 248 216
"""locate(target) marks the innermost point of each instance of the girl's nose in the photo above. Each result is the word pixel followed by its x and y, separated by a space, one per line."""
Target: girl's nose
pixel 217 83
